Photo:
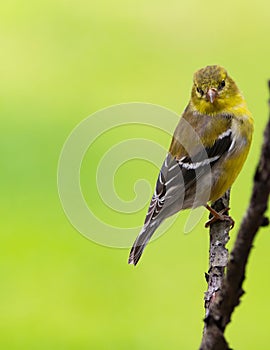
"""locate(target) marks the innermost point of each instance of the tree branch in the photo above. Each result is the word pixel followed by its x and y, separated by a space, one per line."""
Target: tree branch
pixel 227 296
pixel 218 253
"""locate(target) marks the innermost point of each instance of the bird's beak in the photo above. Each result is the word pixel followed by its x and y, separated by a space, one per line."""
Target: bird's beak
pixel 212 94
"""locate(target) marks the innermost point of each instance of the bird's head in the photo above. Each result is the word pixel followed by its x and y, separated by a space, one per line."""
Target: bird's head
pixel 214 91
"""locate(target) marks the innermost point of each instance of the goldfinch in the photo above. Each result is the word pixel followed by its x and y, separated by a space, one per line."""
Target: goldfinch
pixel 208 149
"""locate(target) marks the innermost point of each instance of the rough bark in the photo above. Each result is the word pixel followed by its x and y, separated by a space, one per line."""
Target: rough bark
pixel 218 253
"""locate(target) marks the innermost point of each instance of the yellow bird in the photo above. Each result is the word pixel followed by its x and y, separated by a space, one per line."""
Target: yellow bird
pixel 208 149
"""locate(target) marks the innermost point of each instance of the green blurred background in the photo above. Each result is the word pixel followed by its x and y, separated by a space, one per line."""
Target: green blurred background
pixel 60 62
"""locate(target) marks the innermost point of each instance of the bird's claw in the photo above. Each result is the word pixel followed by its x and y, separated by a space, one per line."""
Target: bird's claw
pixel 220 216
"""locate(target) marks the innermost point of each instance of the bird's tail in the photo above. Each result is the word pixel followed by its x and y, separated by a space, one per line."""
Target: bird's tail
pixel 141 242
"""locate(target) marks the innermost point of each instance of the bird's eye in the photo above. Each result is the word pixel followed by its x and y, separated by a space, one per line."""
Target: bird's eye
pixel 200 91
pixel 221 85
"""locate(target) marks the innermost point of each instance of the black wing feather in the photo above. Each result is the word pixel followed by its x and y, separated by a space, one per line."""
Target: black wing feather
pixel 214 153
pixel 192 168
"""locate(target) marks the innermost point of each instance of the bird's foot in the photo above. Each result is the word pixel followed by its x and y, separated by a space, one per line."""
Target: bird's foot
pixel 219 216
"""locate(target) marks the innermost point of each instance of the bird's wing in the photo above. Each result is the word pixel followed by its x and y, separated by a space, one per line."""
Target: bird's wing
pixel 175 179
pixel 196 166
pixel 178 175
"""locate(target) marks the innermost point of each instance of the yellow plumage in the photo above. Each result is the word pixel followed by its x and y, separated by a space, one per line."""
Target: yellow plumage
pixel 209 147
pixel 200 111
